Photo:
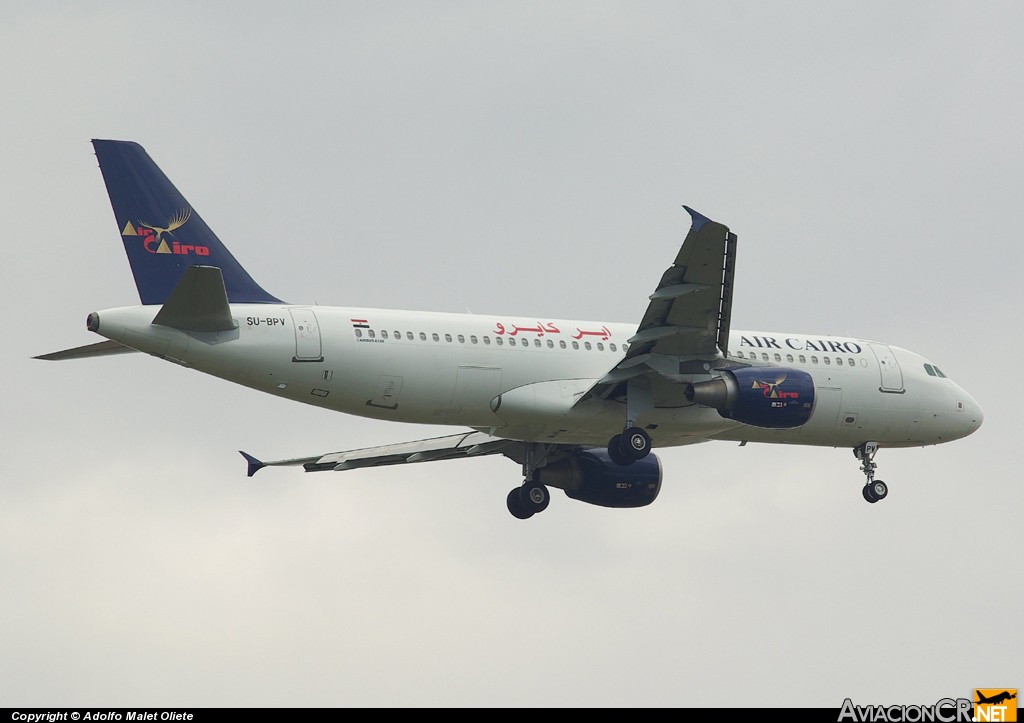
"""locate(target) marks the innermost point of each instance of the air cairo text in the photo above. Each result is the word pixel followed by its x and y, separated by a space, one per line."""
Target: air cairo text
pixel 798 344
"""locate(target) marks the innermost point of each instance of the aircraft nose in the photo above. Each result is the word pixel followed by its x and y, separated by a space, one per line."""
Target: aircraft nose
pixel 973 416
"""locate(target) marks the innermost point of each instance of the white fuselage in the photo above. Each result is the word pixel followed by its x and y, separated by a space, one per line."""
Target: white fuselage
pixel 524 378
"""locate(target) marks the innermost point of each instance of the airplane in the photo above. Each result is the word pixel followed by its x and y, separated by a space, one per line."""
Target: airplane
pixel 578 404
pixel 996 699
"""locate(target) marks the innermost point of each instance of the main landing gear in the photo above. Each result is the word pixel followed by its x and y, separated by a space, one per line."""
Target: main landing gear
pixel 634 443
pixel 874 489
pixel 626 448
pixel 531 497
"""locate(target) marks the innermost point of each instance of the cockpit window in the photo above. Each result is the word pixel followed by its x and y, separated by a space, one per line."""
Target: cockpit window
pixel 930 369
pixel 939 372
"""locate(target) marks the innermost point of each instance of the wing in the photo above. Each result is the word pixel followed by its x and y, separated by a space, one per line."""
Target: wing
pixel 466 444
pixel 687 320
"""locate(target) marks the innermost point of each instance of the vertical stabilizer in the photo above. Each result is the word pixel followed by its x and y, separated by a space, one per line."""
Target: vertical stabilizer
pixel 162 234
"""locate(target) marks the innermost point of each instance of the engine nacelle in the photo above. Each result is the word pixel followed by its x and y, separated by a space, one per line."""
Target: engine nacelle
pixel 770 397
pixel 590 476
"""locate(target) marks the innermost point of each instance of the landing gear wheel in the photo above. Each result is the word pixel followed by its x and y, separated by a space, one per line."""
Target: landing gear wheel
pixel 616 452
pixel 515 505
pixel 534 497
pixel 636 443
pixel 879 489
pixel 869 494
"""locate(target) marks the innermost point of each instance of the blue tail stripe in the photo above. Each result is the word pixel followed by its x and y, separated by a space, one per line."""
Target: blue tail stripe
pixel 162 234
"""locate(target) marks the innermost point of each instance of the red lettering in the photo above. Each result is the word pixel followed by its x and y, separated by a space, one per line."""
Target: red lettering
pixel 147 239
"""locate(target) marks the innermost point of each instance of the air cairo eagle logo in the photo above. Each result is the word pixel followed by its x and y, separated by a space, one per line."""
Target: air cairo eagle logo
pixel 155 238
pixel 770 390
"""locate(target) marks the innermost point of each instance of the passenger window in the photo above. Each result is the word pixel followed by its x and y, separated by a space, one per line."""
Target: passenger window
pixel 398 335
pixel 561 343
pixel 435 337
pixel 359 333
pixel 575 345
pixel 472 338
pixel 498 340
pixel 448 338
pixel 612 347
pixel 826 360
pixel 764 357
pixel 625 347
pixel 511 341
pixel 586 345
pixel 371 334
pixel 551 344
pixel 408 335
pixel 839 361
pixel 814 359
pixel 778 357
pixel 852 362
pixel 423 336
pixel 384 334
pixel 536 342
pixel 487 340
pixel 789 358
pixel 462 339
pixel 600 346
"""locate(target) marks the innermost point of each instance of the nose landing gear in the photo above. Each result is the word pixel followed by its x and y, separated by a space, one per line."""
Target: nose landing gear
pixel 874 490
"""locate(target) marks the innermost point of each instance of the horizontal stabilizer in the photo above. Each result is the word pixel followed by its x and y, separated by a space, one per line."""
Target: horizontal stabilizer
pixel 103 348
pixel 198 303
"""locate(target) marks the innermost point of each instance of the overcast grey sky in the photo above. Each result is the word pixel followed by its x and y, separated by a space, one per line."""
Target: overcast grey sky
pixel 511 158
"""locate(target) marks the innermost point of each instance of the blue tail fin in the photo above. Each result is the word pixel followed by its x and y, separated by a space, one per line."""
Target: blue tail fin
pixel 162 233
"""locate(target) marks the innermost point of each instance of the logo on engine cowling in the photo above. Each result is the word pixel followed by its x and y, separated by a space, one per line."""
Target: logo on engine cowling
pixel 771 390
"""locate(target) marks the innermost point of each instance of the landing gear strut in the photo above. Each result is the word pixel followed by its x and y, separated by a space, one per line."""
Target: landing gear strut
pixel 874 490
pixel 531 497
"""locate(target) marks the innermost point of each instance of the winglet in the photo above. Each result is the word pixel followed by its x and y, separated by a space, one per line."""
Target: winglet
pixel 699 219
pixel 254 464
